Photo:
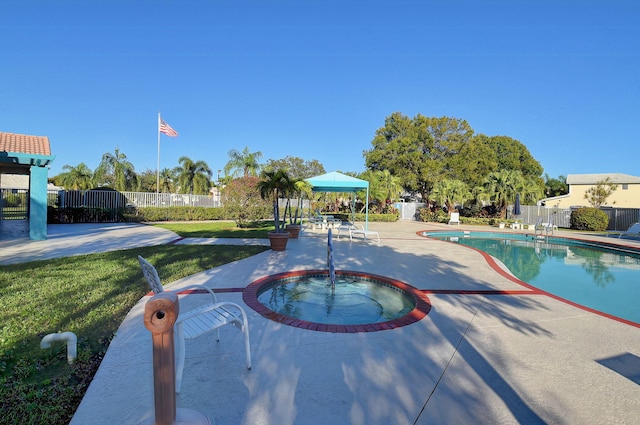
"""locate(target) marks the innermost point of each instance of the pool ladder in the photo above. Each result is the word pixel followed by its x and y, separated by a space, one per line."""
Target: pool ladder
pixel 330 265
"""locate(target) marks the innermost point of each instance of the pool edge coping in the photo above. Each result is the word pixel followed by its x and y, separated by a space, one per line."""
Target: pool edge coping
pixel 492 262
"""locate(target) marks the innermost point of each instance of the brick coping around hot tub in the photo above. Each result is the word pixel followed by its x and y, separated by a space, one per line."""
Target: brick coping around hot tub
pixel 251 292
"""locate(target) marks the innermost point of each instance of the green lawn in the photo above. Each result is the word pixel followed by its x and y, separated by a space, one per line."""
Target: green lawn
pixel 218 229
pixel 89 295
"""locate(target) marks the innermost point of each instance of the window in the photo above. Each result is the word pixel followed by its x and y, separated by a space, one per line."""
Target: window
pixel 625 186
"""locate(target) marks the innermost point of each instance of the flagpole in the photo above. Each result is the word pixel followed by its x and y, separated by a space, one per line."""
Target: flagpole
pixel 158 167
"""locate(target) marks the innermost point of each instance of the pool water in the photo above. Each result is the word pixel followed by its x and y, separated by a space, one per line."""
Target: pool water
pixel 594 276
pixel 353 301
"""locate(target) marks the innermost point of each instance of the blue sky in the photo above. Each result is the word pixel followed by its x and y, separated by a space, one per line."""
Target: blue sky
pixel 315 79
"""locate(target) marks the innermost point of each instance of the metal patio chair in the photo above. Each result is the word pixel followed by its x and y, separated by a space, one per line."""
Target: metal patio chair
pixel 193 323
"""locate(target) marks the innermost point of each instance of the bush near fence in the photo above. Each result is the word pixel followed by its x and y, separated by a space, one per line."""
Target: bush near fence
pixel 132 214
pixel 387 218
pixel 86 215
pixel 589 219
pixel 177 214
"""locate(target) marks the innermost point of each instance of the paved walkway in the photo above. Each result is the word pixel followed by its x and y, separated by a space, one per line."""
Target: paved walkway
pixel 64 240
pixel 478 358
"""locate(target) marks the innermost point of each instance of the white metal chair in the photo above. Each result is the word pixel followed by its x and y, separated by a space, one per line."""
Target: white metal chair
pixel 454 218
pixel 357 229
pixel 345 226
pixel 545 227
pixel 193 323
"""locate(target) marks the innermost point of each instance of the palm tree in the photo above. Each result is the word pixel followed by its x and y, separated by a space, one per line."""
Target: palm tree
pixel 502 187
pixel 300 188
pixel 123 172
pixel 391 184
pixel 243 163
pixel 193 177
pixel 79 177
pixel 477 196
pixel 450 193
pixel 167 179
pixel 531 191
pixel 383 187
pixel 273 186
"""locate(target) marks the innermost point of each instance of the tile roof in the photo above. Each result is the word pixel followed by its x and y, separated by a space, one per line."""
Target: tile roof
pixel 616 178
pixel 22 143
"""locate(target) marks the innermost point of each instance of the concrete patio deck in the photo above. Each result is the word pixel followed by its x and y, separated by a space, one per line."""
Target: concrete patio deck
pixel 476 358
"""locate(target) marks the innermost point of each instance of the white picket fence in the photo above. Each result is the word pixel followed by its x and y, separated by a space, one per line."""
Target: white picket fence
pixel 113 200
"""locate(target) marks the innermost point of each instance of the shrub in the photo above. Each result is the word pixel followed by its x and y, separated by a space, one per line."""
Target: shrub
pixel 438 216
pixel 12 200
pixel 242 202
pixel 388 218
pixel 175 214
pixel 589 219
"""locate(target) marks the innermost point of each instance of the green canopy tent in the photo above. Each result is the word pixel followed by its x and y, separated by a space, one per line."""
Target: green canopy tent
pixel 338 182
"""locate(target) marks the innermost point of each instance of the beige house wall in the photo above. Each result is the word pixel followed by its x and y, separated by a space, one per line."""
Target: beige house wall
pixel 621 198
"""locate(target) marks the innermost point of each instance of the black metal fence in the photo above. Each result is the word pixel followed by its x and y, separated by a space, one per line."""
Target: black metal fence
pixel 14 204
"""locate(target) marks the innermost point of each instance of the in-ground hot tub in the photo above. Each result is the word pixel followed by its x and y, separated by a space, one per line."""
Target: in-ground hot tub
pixel 359 302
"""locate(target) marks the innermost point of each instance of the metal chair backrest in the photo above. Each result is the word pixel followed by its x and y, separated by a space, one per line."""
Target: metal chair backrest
pixel 151 275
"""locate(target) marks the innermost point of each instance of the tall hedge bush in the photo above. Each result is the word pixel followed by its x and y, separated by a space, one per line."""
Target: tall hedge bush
pixel 588 218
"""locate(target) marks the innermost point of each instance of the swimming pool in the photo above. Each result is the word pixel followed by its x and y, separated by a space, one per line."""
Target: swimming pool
pixel 597 276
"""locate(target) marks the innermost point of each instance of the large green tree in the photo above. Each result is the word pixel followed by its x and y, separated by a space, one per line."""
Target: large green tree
pixel 383 187
pixel 243 164
pixel 193 176
pixel 276 184
pixel 417 150
pixel 474 161
pixel 79 177
pixel 296 167
pixel 121 171
pixel 513 155
pixel 167 180
pixel 147 181
pixel 555 186
pixel 502 187
pixel 422 151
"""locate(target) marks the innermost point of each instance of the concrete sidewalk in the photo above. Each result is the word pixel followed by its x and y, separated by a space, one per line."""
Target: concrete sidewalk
pixel 477 358
pixel 64 240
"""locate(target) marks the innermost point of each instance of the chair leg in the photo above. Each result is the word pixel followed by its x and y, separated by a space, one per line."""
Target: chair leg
pixel 247 343
pixel 247 346
pixel 180 354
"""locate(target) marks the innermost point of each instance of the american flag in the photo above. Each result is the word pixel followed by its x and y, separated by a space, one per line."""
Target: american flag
pixel 166 129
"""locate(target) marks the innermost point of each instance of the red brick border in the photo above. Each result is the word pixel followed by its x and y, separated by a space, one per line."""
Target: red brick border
pixel 422 308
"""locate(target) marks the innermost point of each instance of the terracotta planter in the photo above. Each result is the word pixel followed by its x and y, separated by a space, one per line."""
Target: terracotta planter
pixel 294 229
pixel 278 240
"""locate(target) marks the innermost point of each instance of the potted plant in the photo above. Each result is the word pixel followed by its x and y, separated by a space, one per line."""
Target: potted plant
pixel 299 188
pixel 275 184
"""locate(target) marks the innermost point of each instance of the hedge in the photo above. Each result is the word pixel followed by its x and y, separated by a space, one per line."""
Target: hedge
pixel 589 219
pixel 176 214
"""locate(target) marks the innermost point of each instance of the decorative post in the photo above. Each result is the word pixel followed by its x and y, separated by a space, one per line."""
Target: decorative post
pixel 160 315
